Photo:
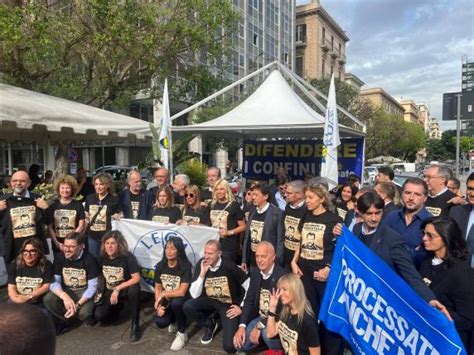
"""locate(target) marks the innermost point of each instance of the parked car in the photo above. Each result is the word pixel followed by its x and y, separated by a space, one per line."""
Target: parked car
pixel 399 179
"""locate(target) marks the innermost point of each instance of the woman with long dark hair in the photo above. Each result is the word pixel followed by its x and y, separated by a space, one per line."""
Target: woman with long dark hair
pixel 345 199
pixel 164 210
pixel 172 279
pixel 121 277
pixel 30 275
pixel 448 273
pixel 295 323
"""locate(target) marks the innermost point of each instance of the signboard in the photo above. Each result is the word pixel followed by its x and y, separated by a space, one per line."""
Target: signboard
pixel 299 157
pixel 450 106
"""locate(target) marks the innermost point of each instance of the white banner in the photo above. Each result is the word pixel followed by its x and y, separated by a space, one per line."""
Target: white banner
pixel 146 240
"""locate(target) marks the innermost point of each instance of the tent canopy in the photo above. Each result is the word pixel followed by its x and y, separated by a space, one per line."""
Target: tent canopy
pixel 273 110
pixel 31 116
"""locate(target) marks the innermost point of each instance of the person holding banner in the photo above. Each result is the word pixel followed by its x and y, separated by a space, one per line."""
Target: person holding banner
pixel 172 278
pixel 448 273
pixel 312 260
pixel 227 216
pixel 163 210
pixel 193 211
pixel 121 276
pixel 295 322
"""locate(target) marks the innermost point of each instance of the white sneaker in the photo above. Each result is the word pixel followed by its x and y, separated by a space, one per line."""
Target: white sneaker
pixel 172 328
pixel 179 342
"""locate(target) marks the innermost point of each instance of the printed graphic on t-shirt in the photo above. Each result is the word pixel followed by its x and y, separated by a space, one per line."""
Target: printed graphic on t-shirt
pixel 312 241
pixel 264 302
pixel 100 223
pixel 289 339
pixel 27 285
pixel 341 212
pixel 180 206
pixel 435 211
pixel 114 275
pixel 256 233
pixel 135 205
pixel 218 288
pixel 74 278
pixel 23 221
pixel 292 234
pixel 191 219
pixel 65 222
pixel 161 219
pixel 170 282
pixel 219 218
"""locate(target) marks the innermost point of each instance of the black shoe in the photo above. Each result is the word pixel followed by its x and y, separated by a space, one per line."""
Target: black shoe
pixel 89 322
pixel 209 332
pixel 135 332
pixel 60 327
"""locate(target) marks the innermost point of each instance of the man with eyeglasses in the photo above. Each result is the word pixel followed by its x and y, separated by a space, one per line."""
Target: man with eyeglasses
pixel 407 221
pixel 161 176
pixel 464 217
pixel 21 216
pixel 440 198
pixel 76 275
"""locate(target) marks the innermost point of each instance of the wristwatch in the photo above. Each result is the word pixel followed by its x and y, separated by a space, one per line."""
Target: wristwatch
pixel 260 326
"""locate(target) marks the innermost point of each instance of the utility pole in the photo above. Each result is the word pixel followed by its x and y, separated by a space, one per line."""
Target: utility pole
pixel 458 133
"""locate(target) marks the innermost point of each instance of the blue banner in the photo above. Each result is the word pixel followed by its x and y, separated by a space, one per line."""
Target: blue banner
pixel 299 157
pixel 376 311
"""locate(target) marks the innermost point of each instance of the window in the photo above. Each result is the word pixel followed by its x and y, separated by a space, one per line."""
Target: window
pixel 324 35
pixel 299 66
pixel 323 68
pixel 301 33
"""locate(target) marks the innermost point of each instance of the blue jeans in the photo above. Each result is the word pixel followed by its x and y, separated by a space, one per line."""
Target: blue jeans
pixel 271 343
pixel 94 247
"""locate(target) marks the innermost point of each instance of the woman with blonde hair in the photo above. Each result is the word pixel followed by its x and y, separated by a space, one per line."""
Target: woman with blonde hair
pixel 164 210
pixel 295 323
pixel 313 257
pixel 101 207
pixel 193 212
pixel 227 216
pixel 65 214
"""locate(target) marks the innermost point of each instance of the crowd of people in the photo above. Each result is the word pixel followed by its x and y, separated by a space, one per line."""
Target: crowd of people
pixel 262 282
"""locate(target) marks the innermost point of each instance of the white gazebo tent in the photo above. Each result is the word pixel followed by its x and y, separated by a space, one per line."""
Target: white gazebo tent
pixel 28 116
pixel 274 110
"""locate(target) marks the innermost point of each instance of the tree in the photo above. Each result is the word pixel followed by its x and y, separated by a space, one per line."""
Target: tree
pixel 102 52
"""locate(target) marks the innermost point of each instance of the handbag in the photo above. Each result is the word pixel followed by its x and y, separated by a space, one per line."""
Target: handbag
pixel 99 293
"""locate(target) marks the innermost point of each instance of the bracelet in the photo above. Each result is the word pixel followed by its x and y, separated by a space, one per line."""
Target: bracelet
pixel 271 314
pixel 78 305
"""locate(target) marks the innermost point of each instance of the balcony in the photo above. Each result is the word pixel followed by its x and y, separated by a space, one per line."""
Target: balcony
pixel 335 52
pixel 342 59
pixel 325 45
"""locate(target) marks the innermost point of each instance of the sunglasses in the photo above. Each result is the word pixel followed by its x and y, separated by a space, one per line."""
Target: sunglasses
pixel 189 195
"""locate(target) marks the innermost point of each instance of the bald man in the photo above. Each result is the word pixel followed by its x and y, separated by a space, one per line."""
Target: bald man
pixel 13 209
pixel 133 198
pixel 263 279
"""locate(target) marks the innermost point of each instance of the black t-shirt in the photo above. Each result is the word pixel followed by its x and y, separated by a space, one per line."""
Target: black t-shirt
pixel 292 221
pixel 247 210
pixel 439 206
pixel 296 337
pixel 257 224
pixel 21 220
pixel 65 218
pixel 28 279
pixel 178 200
pixel 341 209
pixel 200 216
pixel 166 214
pixel 317 241
pixel 75 273
pixel 226 215
pixel 225 284
pixel 135 204
pixel 118 270
pixel 264 298
pixel 103 222
pixel 172 278
pixel 206 196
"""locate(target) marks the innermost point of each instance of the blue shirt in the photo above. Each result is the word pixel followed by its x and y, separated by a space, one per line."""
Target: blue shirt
pixel 412 233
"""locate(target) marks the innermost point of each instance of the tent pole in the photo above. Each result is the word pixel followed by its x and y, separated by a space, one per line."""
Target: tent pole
pixel 10 160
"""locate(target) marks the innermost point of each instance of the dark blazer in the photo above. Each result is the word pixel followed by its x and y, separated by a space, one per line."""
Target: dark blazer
pixel 390 247
pixel 349 217
pixel 273 232
pixel 461 215
pixel 389 207
pixel 252 299
pixel 124 197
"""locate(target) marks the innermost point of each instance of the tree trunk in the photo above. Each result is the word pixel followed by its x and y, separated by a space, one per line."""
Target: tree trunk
pixel 61 161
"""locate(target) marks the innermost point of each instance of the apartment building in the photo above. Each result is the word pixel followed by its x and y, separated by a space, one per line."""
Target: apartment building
pixel 380 98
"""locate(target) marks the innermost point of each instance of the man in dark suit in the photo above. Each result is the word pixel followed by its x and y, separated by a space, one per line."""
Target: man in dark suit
pixel 389 194
pixel 464 216
pixel 390 246
pixel 263 279
pixel 134 198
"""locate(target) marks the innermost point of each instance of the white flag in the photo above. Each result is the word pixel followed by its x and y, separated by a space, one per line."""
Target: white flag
pixel 331 139
pixel 164 138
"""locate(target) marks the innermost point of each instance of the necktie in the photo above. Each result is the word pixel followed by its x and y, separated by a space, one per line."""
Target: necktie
pixel 470 244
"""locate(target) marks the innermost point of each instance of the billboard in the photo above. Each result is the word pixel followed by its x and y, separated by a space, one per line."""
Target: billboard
pixel 450 106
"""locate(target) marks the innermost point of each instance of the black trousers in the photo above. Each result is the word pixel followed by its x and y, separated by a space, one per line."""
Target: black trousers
pixel 200 309
pixel 103 311
pixel 173 314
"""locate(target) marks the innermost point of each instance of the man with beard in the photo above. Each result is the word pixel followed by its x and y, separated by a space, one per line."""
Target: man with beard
pixel 133 199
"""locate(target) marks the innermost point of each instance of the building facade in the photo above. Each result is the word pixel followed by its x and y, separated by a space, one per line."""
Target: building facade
pixel 380 98
pixel 435 131
pixel 320 43
pixel 424 116
pixel 467 75
pixel 354 81
pixel 410 110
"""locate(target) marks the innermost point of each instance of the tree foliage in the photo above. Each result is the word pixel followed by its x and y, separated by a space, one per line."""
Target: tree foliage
pixel 103 52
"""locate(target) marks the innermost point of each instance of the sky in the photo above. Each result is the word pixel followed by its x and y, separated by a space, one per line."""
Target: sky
pixel 411 48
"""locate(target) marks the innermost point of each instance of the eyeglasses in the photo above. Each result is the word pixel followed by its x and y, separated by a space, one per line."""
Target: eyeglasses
pixel 189 195
pixel 30 252
pixel 427 177
pixel 70 246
